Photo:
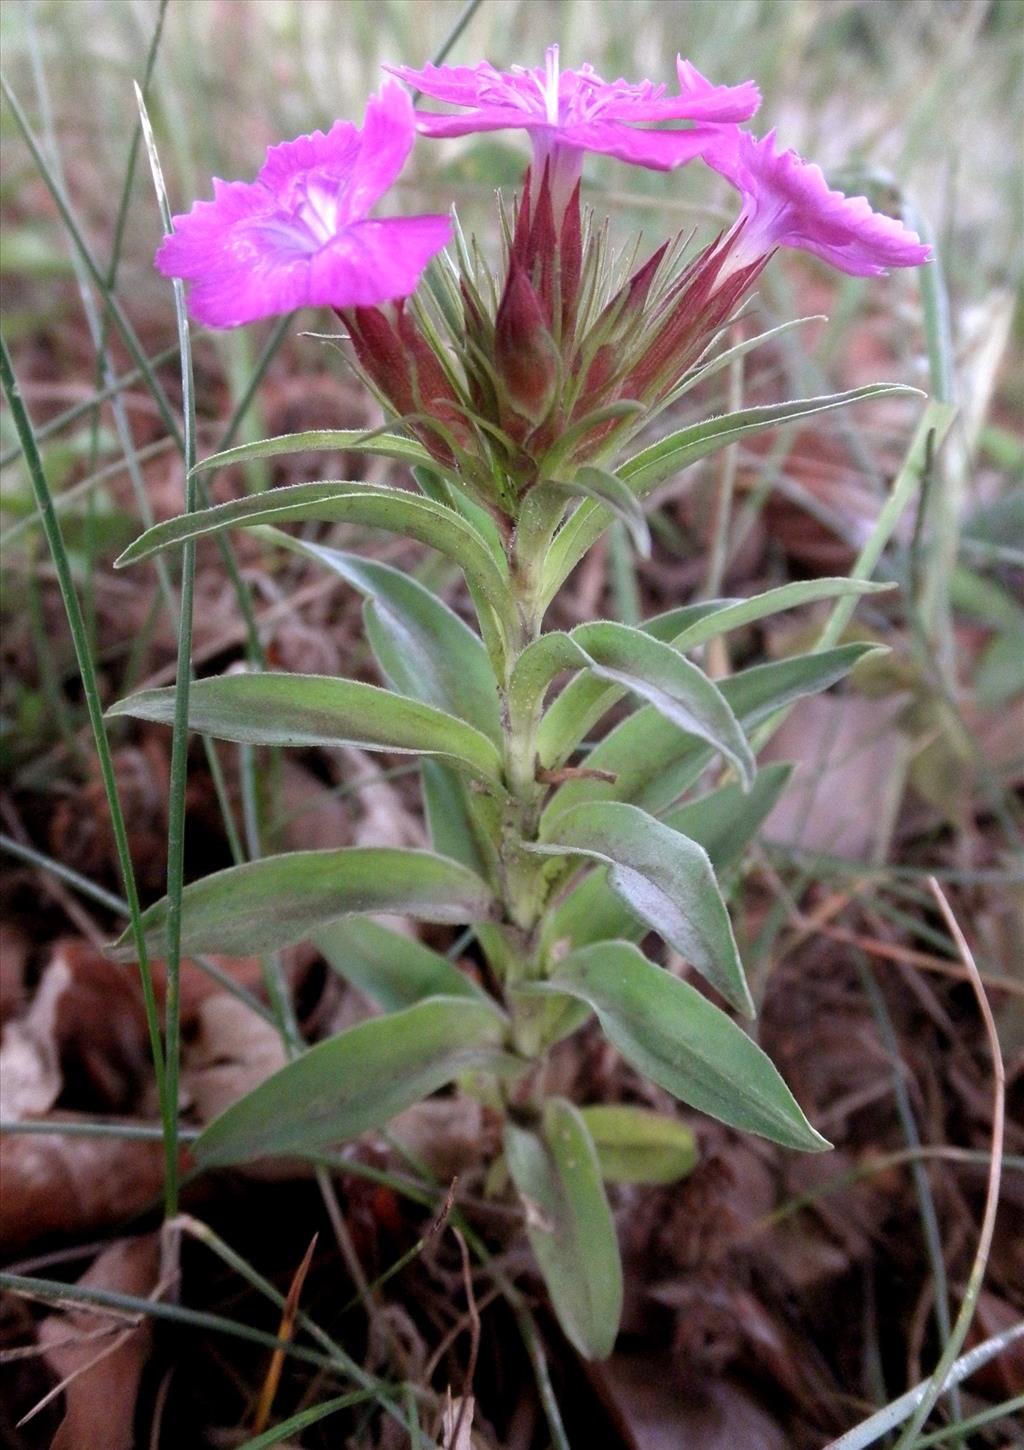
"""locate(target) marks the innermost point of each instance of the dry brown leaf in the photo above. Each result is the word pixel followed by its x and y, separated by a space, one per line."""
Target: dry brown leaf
pixel 457 1427
pixel 81 834
pixel 657 1405
pixel 101 1362
pixel 14 950
pixel 86 1022
pixel 54 1183
pixel 312 815
pixel 101 1027
pixel 30 1076
pixel 384 820
pixel 836 801
pixel 447 1134
pixel 233 1053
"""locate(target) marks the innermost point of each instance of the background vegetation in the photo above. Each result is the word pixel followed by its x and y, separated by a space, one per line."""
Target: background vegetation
pixel 772 1301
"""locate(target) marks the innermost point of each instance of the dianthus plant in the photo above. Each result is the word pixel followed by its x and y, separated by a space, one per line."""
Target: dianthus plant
pixel 513 398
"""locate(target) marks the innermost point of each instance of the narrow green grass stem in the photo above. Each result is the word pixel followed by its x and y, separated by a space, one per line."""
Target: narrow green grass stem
pixel 65 874
pixel 49 681
pixel 366 1381
pixel 124 205
pixel 625 587
pixel 928 437
pixel 918 1172
pixel 927 440
pixel 71 415
pixel 94 707
pixel 55 1128
pixel 120 318
pixel 136 350
pixel 530 1334
pixel 50 1292
pixel 871 1430
pixel 463 18
pixel 990 1416
pixel 718 547
pixel 304 1418
pixel 180 730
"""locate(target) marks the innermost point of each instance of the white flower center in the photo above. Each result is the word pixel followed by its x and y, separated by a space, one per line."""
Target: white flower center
pixel 318 209
pixel 550 90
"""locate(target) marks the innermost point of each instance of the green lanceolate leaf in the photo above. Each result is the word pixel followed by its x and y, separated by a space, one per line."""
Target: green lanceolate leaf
pixel 305 710
pixel 423 648
pixel 585 699
pixel 742 612
pixel 338 502
pixel 451 492
pixel 724 822
pixel 653 763
pixel 669 456
pixel 677 689
pixel 631 660
pixel 665 879
pixel 669 625
pixel 672 1034
pixel 577 708
pixel 703 371
pixel 617 496
pixel 266 904
pixel 569 1224
pixel 329 440
pixel 638 1145
pixel 357 1081
pixel 396 971
pixel 462 825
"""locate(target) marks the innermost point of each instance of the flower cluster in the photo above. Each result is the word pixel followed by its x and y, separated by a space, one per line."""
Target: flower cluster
pixel 521 383
pixel 561 346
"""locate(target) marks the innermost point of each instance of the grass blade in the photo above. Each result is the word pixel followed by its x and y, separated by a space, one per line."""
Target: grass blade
pixel 304 1419
pixel 123 325
pixel 871 1430
pixel 179 736
pixel 87 405
pixel 94 706
pixel 939 1382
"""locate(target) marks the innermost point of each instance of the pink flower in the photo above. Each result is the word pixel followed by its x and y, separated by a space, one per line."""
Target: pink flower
pixel 787 203
pixel 300 234
pixel 568 112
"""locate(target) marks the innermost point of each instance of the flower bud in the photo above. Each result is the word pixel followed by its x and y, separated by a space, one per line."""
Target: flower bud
pixel 526 358
pixel 379 350
pixel 699 303
pixel 401 364
pixel 570 262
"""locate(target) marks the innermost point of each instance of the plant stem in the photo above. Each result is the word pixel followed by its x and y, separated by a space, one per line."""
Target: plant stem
pixel 520 885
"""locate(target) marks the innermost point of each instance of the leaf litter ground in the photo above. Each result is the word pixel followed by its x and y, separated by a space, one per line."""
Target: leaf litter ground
pixel 771 1299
